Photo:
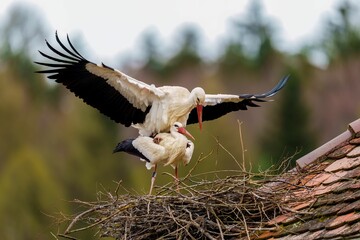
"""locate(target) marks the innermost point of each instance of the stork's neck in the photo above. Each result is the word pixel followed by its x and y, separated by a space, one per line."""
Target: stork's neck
pixel 175 134
pixel 191 101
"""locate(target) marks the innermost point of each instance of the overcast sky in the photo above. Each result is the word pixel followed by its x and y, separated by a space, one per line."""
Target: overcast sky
pixel 113 27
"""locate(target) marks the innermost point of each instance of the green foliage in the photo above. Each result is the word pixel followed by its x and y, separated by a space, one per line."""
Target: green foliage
pixel 28 194
pixel 187 55
pixel 290 129
pixel 150 45
pixel 342 33
pixel 232 59
pixel 252 46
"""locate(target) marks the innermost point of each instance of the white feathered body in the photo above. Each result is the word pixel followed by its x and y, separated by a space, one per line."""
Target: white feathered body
pixel 171 149
pixel 174 106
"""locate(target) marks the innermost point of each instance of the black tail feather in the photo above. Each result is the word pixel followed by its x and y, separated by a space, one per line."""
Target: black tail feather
pixel 127 146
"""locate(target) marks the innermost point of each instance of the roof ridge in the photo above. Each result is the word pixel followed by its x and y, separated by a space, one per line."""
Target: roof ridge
pixel 353 130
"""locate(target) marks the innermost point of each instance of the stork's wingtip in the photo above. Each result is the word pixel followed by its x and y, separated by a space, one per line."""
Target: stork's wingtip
pixel 283 81
pixel 56 35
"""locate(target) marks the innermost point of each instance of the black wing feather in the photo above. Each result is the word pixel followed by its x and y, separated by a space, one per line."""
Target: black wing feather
pixel 70 70
pixel 221 109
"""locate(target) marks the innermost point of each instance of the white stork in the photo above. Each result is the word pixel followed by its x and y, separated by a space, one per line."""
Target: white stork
pixel 134 103
pixel 167 148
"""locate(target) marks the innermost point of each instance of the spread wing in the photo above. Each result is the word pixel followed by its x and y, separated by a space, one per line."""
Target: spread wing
pixel 218 105
pixel 118 96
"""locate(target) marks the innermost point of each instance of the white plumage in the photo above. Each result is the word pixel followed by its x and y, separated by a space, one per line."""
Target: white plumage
pixel 165 148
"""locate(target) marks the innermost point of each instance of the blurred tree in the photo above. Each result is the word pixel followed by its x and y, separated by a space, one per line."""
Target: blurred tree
pixel 22 30
pixel 150 46
pixel 188 54
pixel 290 131
pixel 252 41
pixel 342 35
pixel 53 147
pixel 29 193
pixel 21 33
pixel 232 59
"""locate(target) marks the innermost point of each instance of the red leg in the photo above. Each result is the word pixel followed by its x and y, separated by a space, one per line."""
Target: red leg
pixel 153 179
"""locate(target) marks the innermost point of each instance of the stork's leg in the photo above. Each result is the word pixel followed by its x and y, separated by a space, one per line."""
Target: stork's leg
pixel 153 179
pixel 176 178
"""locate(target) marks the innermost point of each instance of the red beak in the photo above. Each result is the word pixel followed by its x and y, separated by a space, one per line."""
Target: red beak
pixel 199 113
pixel 182 130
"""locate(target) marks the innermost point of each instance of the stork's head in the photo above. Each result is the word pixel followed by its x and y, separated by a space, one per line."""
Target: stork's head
pixel 198 96
pixel 178 127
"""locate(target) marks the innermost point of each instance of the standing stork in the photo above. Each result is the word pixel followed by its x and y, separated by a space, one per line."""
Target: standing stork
pixel 134 103
pixel 167 148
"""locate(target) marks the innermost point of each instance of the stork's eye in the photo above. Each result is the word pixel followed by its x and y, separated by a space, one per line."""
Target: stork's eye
pixel 176 125
pixel 197 100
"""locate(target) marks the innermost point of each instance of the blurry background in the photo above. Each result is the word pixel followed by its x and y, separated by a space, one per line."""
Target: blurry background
pixel 54 148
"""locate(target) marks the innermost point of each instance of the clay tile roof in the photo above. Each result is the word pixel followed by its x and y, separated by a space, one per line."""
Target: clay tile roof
pixel 326 202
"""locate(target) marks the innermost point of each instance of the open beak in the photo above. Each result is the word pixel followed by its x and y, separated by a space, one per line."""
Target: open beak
pixel 183 131
pixel 199 109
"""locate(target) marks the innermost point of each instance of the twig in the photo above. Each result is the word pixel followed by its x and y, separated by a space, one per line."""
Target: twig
pixel 228 152
pixel 242 146
pixel 67 236
pixel 68 229
pixel 220 230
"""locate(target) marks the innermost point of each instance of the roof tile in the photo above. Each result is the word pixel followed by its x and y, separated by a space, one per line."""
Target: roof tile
pixel 335 232
pixel 355 173
pixel 355 141
pixel 329 199
pixel 355 206
pixel 279 219
pixel 318 224
pixel 341 152
pixel 346 186
pixel 299 237
pixel 322 189
pixel 303 205
pixel 335 177
pixel 354 126
pixel 307 178
pixel 343 219
pixel 343 164
pixel 353 229
pixel 329 210
pixel 328 188
pixel 318 179
pixel 321 152
pixel 354 153
pixel 304 227
pixel 352 196
pixel 315 235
